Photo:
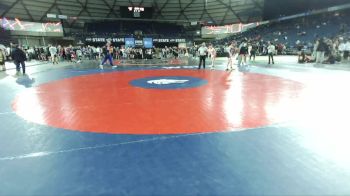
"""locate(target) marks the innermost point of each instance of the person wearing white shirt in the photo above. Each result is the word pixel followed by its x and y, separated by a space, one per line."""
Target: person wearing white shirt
pixel 231 53
pixel 165 52
pixel 94 51
pixel 79 54
pixel 250 47
pixel 2 59
pixel 202 51
pixel 99 52
pixel 53 52
pixel 341 49
pixel 271 49
pixel 212 55
pixel 347 50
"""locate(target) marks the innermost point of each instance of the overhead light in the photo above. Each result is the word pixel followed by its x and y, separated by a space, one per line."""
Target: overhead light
pixel 63 17
pixel 51 16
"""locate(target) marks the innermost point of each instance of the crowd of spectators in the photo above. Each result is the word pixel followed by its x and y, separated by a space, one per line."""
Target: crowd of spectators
pixel 322 39
pixel 301 36
pixel 75 54
pixel 131 29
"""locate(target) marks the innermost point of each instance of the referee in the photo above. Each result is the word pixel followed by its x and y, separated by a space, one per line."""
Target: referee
pixel 202 51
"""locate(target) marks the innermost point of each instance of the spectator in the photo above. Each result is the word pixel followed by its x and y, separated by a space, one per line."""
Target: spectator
pixel 321 47
pixel 271 49
pixel 347 50
pixel 2 59
pixel 19 58
pixel 53 53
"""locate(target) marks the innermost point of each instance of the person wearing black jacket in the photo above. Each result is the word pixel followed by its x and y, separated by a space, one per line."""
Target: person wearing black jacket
pixel 19 58
pixel 321 47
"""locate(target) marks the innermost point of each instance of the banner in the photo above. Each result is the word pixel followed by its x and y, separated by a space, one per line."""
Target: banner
pixel 123 40
pixel 169 40
pixel 148 42
pixel 18 26
pixel 129 42
pixel 227 29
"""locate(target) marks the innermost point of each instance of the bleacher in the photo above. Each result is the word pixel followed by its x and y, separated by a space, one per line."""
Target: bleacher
pixel 126 28
pixel 306 29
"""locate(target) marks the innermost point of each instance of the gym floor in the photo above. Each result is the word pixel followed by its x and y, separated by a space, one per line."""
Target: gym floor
pixel 170 129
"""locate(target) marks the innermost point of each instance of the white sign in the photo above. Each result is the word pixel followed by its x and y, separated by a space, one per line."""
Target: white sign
pixel 167 81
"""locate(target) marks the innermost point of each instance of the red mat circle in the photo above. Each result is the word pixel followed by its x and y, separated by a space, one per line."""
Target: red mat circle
pixel 107 103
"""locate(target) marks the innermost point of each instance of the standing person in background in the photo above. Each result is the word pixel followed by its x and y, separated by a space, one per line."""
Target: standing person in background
pixel 165 52
pixel 19 58
pixel 123 52
pixel 117 53
pixel 94 53
pixel 90 52
pixel 249 49
pixel 63 53
pixel 321 48
pixel 108 52
pixel 347 51
pixel 79 54
pixel 47 53
pixel 2 59
pixel 148 53
pixel 271 49
pixel 59 55
pixel 157 52
pixel 99 52
pixel 11 49
pixel 53 53
pixel 253 51
pixel 212 55
pixel 341 48
pixel 30 53
pixel 202 52
pixel 231 52
pixel 68 53
pixel 141 53
pixel 243 52
pixel 176 52
pixel 186 52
